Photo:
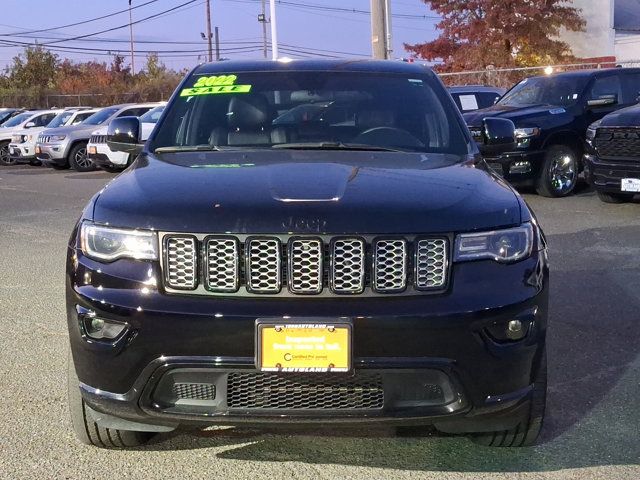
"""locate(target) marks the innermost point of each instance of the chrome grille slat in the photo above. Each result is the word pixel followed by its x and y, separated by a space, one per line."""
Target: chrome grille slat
pixel 222 264
pixel 322 265
pixel 181 262
pixel 264 265
pixel 390 265
pixel 98 139
pixel 348 265
pixel 305 265
pixel 431 263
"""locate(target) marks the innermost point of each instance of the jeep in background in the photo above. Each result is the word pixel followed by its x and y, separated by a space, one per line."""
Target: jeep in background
pixel 612 158
pixel 363 266
pixel 551 114
pixel 66 147
pixel 31 121
pixel 22 148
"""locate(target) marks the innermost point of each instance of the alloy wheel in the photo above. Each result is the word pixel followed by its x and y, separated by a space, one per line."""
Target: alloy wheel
pixel 563 173
pixel 5 158
pixel 82 160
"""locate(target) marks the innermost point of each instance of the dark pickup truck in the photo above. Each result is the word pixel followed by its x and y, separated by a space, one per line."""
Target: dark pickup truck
pixel 551 114
pixel 612 158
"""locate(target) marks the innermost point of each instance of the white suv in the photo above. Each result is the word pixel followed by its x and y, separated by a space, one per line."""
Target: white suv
pixel 102 156
pixel 25 124
pixel 22 148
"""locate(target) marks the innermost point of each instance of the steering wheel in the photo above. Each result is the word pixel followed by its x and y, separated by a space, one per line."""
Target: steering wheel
pixel 388 136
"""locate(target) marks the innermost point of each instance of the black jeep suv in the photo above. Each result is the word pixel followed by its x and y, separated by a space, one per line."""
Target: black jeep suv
pixel 551 114
pixel 361 264
pixel 612 158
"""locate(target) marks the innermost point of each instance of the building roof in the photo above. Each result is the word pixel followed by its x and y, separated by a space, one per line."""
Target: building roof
pixel 626 15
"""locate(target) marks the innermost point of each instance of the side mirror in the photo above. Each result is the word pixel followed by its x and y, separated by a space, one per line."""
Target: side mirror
pixel 603 101
pixel 29 125
pixel 123 135
pixel 498 136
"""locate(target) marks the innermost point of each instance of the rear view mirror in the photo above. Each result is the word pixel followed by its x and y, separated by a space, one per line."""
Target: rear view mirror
pixel 498 136
pixel 603 100
pixel 123 135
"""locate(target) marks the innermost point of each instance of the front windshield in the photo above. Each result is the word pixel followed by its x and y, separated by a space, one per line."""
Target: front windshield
pixel 59 120
pixel 100 116
pixel 312 110
pixel 153 115
pixel 18 119
pixel 561 91
pixel 5 115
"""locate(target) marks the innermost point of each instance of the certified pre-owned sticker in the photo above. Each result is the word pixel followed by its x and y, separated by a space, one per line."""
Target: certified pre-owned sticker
pixel 215 84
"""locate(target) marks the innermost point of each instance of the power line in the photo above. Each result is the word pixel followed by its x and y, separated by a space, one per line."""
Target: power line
pixel 126 25
pixel 85 21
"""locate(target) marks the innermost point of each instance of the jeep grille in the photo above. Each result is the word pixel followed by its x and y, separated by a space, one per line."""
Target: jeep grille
pixel 296 265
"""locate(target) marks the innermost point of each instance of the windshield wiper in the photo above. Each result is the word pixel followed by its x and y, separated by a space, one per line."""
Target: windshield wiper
pixel 188 148
pixel 335 146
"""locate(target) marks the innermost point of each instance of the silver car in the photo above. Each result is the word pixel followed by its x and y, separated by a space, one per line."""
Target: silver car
pixel 66 147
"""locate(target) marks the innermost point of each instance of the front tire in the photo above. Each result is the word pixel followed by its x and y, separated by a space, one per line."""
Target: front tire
pixel 526 433
pixel 5 157
pixel 607 197
pixel 559 173
pixel 87 430
pixel 79 160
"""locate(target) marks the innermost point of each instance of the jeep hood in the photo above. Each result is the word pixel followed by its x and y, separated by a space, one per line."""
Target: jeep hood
pixel 281 191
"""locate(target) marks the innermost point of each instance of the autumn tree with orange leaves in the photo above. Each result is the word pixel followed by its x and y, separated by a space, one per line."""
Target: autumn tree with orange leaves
pixel 475 34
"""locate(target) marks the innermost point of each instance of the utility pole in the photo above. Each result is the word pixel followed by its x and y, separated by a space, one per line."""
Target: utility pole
pixel 209 35
pixel 379 33
pixel 133 64
pixel 217 44
pixel 387 26
pixel 262 18
pixel 274 30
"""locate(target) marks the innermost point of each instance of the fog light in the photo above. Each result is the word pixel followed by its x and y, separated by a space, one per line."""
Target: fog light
pixel 98 328
pixel 515 330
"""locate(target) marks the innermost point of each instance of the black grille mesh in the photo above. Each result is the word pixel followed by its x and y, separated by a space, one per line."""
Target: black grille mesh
pixel 618 143
pixel 273 391
pixel 194 391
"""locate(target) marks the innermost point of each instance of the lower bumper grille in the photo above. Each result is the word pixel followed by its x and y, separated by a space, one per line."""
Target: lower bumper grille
pixel 305 392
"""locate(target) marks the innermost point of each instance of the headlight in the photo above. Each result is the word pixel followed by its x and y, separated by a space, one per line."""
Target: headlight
pixel 591 129
pixel 108 244
pixel 509 245
pixel 526 132
pixel 58 138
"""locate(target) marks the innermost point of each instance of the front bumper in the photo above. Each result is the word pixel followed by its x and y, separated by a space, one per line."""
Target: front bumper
pixel 22 153
pixel 102 156
pixel 408 343
pixel 52 153
pixel 606 175
pixel 517 167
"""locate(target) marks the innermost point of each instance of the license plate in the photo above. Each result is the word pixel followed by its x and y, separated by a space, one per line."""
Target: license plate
pixel 38 150
pixel 630 185
pixel 309 346
pixel 93 150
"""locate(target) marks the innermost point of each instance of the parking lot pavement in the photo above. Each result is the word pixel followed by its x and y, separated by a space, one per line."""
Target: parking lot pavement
pixel 593 423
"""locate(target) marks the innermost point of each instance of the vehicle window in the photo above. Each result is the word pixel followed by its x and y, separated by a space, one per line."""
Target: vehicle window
pixel 561 91
pixel 81 117
pixel 487 99
pixel 466 102
pixel 261 110
pixel 4 116
pixel 59 120
pixel 134 112
pixel 100 116
pixel 153 115
pixel 630 88
pixel 18 119
pixel 603 86
pixel 42 120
